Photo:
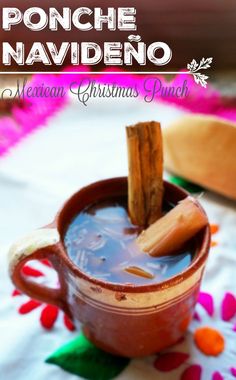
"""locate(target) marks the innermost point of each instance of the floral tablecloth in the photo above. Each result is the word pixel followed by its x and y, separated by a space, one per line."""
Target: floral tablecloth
pixel 81 145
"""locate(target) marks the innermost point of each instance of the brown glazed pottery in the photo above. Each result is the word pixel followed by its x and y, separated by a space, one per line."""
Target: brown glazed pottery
pixel 128 320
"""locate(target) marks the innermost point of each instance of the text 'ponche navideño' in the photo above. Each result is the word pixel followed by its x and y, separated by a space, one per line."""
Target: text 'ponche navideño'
pixel 86 53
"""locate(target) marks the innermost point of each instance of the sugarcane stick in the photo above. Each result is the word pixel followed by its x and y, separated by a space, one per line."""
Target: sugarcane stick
pixel 168 234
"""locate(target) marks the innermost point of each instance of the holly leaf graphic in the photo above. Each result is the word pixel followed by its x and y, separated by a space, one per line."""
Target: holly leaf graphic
pixel 205 63
pixel 192 66
pixel 201 79
pixel 194 69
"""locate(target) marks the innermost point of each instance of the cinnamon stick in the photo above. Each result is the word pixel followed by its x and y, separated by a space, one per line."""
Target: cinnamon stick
pixel 145 183
pixel 169 233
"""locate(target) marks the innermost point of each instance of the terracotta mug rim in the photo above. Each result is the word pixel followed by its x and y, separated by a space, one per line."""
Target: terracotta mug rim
pixel 201 256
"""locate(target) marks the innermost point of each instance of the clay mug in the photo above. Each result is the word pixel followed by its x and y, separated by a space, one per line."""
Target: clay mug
pixel 128 320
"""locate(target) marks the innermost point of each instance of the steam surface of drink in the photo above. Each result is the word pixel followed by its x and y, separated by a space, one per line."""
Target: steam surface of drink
pixel 101 242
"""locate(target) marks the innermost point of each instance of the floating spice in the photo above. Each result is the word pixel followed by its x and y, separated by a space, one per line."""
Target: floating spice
pixel 139 272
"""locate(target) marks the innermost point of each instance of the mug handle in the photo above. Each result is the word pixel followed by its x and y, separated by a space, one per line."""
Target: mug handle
pixel 40 244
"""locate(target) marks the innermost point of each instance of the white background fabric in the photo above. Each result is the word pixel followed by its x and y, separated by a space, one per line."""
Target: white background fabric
pixel 79 146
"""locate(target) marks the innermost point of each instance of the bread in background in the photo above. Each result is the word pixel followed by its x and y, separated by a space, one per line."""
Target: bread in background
pixel 202 149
